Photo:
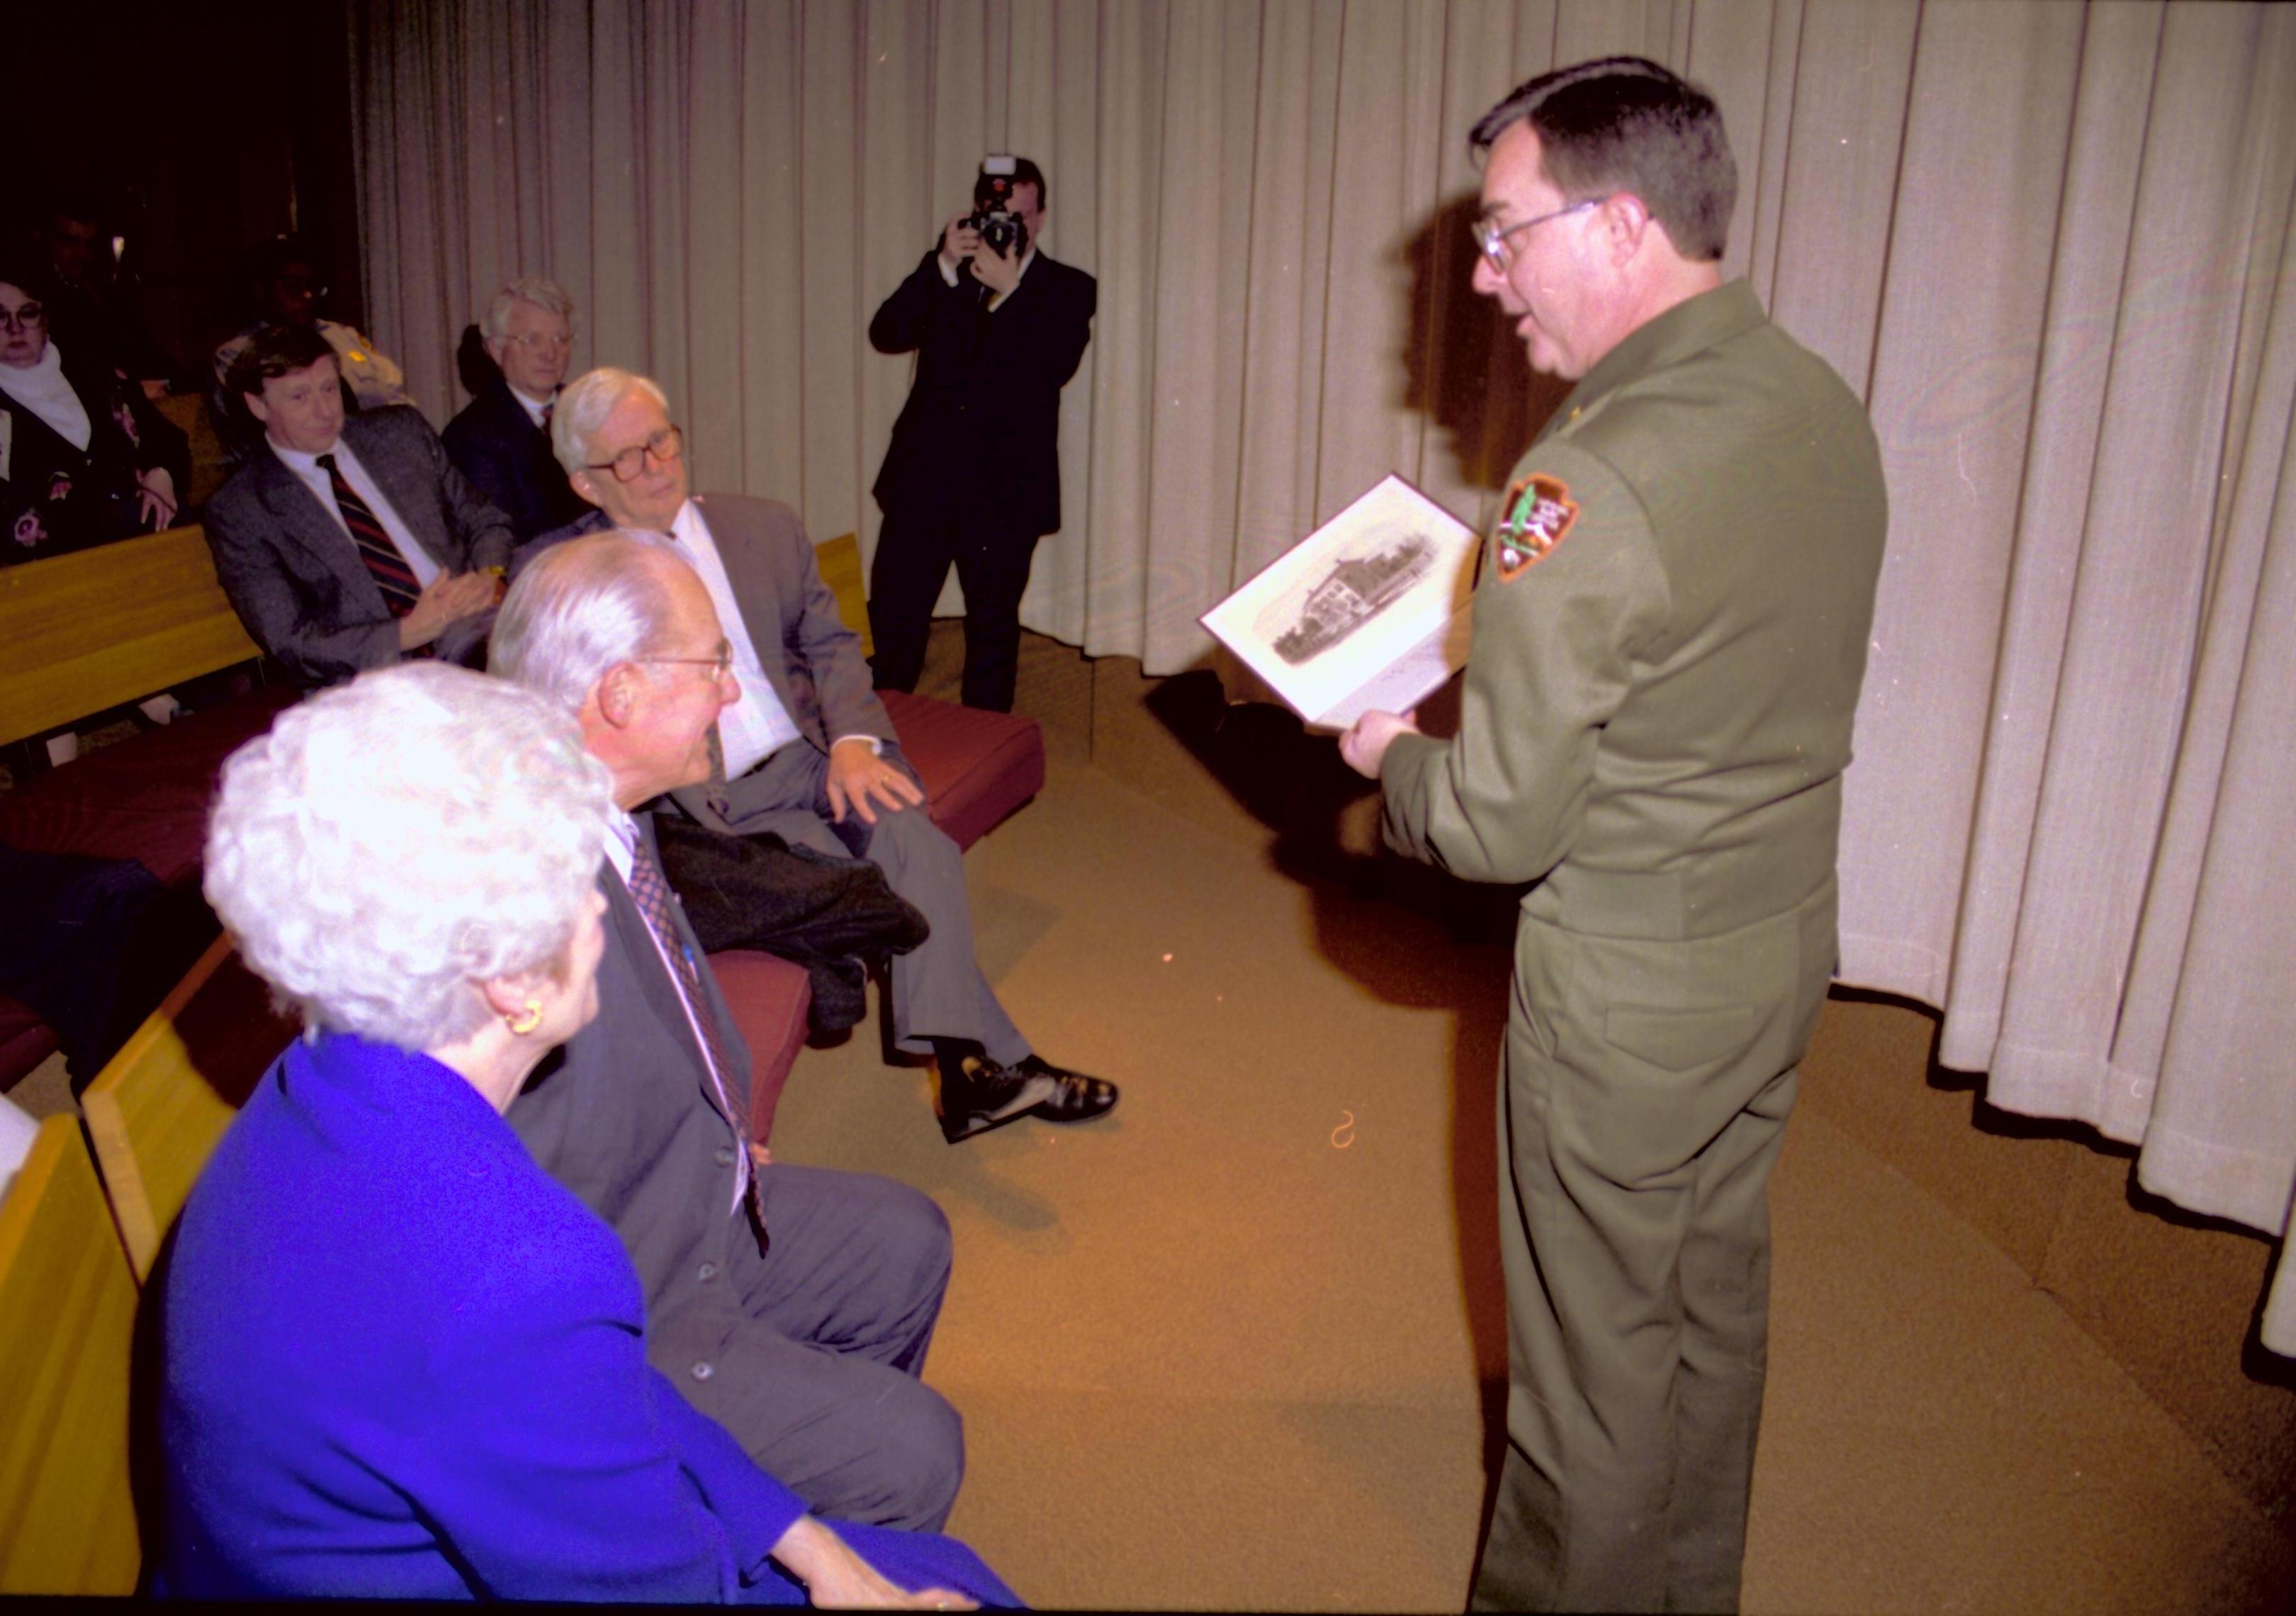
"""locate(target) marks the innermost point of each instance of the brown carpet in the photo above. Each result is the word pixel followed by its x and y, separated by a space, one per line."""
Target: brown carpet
pixel 1235 1347
pixel 1231 1348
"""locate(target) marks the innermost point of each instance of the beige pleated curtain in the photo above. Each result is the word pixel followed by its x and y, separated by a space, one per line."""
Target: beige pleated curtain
pixel 2050 243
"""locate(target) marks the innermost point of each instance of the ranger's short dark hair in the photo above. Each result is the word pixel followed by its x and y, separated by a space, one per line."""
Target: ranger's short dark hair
pixel 1624 123
pixel 273 351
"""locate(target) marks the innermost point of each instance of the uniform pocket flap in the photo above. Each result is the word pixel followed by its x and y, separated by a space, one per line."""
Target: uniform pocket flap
pixel 1681 1040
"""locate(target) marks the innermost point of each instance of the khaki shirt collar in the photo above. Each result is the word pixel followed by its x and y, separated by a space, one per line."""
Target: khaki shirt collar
pixel 1687 329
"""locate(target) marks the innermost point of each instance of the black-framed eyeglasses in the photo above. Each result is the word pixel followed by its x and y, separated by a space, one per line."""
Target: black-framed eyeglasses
pixel 1491 240
pixel 665 446
pixel 24 317
pixel 720 665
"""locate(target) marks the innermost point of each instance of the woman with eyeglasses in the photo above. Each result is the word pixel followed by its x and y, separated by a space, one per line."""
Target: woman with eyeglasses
pixel 84 458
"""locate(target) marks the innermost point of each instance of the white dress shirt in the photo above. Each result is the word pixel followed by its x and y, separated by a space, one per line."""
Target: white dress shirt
pixel 757 725
pixel 314 477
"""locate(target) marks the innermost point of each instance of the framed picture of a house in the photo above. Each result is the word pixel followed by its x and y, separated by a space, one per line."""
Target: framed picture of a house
pixel 1369 610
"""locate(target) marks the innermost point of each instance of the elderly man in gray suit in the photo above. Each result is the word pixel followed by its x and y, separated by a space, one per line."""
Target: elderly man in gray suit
pixel 792 1305
pixel 810 756
pixel 345 544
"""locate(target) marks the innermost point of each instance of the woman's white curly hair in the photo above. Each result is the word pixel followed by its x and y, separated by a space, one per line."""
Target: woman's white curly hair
pixel 394 842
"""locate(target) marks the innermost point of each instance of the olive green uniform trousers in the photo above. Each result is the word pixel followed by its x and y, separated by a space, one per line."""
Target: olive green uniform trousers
pixel 1669 635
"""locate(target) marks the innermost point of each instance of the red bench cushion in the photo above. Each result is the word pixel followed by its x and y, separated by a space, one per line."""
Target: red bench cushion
pixel 145 799
pixel 768 996
pixel 977 766
pixel 25 1041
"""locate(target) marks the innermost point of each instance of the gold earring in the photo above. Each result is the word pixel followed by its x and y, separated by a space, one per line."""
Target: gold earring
pixel 526 1022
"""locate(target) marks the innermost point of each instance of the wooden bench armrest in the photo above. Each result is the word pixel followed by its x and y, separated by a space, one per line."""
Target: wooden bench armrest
pixel 67 1338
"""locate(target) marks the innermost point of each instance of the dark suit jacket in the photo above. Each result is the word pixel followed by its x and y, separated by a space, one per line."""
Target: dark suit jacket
pixel 54 496
pixel 507 458
pixel 627 1118
pixel 982 420
pixel 293 574
pixel 400 1361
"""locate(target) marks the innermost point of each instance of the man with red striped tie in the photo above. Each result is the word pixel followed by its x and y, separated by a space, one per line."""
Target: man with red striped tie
pixel 346 544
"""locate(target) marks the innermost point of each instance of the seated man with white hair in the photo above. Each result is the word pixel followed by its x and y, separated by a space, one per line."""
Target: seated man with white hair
pixel 791 1304
pixel 810 756
pixel 501 439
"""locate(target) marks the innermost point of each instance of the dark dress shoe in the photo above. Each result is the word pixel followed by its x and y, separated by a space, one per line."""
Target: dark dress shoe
pixel 983 1095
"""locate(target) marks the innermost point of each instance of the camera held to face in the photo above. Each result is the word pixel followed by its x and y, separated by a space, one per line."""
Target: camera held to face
pixel 1000 229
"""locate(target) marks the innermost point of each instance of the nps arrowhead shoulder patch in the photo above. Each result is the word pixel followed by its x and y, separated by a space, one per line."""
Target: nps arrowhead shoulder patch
pixel 1539 511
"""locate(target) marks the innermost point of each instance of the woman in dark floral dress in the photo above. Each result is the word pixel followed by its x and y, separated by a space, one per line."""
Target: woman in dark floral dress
pixel 84 458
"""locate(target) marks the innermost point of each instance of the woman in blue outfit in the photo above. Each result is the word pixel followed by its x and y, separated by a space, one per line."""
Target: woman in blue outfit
pixel 399 1360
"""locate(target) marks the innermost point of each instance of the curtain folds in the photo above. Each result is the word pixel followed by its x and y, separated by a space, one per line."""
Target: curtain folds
pixel 2051 243
pixel 2066 826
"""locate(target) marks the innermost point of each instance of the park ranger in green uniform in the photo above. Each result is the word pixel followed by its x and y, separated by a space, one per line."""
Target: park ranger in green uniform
pixel 1669 636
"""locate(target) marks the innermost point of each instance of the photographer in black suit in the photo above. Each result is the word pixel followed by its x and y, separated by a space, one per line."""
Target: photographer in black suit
pixel 973 474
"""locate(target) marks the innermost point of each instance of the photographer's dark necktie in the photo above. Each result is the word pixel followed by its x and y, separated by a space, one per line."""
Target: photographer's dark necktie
pixel 392 575
pixel 651 892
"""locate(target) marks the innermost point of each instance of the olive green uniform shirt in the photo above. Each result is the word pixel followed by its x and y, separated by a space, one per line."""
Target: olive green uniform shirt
pixel 1657 712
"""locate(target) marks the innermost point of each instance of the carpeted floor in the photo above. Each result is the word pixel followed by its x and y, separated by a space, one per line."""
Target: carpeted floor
pixel 1239 1345
pixel 1233 1346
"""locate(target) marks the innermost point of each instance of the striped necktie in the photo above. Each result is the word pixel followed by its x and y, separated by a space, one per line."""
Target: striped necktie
pixel 651 892
pixel 392 575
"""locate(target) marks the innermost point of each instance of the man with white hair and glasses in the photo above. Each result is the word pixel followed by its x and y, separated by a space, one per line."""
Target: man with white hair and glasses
pixel 792 1305
pixel 810 754
pixel 501 439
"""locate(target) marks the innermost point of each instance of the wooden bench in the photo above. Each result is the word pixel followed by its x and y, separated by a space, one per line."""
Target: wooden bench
pixel 210 461
pixel 100 627
pixel 155 1114
pixel 67 1339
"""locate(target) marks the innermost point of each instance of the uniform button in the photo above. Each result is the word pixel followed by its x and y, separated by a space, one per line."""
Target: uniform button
pixel 708 1272
pixel 702 1371
pixel 725 1155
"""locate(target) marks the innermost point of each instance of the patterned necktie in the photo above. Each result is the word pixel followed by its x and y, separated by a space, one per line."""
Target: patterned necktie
pixel 392 575
pixel 651 892
pixel 549 408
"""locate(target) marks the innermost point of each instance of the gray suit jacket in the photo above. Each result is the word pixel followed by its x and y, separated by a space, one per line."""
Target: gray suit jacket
pixel 625 1117
pixel 819 674
pixel 807 1355
pixel 293 574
